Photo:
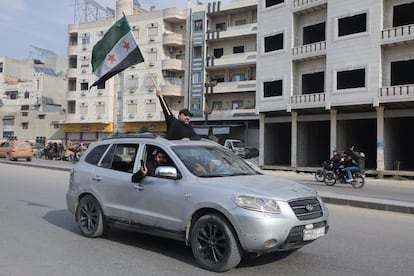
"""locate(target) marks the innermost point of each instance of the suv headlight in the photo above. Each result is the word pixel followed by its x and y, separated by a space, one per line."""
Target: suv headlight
pixel 258 204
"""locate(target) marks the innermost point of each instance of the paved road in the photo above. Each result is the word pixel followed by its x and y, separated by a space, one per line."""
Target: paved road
pixel 381 194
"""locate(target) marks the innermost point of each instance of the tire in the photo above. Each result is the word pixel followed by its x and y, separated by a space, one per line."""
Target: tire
pixel 358 182
pixel 214 244
pixel 330 178
pixel 28 159
pixel 90 217
pixel 320 175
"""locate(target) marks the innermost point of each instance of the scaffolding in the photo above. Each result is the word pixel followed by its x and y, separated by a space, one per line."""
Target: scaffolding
pixel 90 10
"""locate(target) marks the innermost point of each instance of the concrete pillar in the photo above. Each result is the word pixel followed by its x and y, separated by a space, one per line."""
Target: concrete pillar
pixel 261 138
pixel 334 141
pixel 294 149
pixel 380 139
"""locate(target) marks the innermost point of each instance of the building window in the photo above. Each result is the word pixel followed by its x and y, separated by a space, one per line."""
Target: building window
pixel 148 83
pixel 152 31
pixel 73 62
pixel 71 107
pixel 273 43
pixel 236 104
pixel 41 116
pixel 313 83
pixel 238 77
pixel 84 86
pixel 197 52
pixel 100 109
pixel 198 25
pixel 217 105
pixel 55 125
pixel 350 79
pixel 220 27
pixel 132 82
pixel 25 114
pixel 240 22
pixel 238 49
pixel 273 88
pixel 270 3
pixel 72 84
pixel 12 95
pixel 352 24
pixel 196 77
pixel 150 107
pixel 314 33
pixel 152 56
pixel 26 94
pixel 1 67
pixel 24 107
pixel 218 52
pixel 403 15
pixel 86 39
pixel 132 108
pixel 101 85
pixel 402 72
pixel 83 110
pixel 25 125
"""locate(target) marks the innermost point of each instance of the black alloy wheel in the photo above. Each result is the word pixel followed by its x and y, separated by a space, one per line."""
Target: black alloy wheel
pixel 89 217
pixel 330 178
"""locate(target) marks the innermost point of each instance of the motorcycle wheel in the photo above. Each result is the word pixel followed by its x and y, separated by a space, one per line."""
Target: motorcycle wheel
pixel 358 182
pixel 330 179
pixel 320 175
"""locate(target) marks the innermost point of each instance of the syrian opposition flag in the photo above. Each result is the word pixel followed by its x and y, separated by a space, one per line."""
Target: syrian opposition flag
pixel 115 52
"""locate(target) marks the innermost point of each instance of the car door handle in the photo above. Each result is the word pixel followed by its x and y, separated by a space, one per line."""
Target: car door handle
pixel 97 178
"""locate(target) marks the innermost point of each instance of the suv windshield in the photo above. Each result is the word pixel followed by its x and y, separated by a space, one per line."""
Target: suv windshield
pixel 205 161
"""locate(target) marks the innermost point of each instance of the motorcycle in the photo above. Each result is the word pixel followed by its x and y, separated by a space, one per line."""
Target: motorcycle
pixel 339 174
pixel 320 174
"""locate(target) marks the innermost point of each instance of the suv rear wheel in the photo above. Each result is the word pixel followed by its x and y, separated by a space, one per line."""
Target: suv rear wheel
pixel 214 244
pixel 89 217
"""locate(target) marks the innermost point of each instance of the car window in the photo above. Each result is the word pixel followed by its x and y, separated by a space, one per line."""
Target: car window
pixel 95 154
pixel 205 161
pixel 120 157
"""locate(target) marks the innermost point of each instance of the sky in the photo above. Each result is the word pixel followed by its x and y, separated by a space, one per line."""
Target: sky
pixel 44 24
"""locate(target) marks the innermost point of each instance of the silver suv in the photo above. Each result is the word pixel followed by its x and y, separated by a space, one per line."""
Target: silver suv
pixel 203 195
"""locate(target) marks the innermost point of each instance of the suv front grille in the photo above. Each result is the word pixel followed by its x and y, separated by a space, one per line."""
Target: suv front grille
pixel 306 208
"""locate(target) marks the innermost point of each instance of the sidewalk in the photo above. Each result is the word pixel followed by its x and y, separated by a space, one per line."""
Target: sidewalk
pixel 380 194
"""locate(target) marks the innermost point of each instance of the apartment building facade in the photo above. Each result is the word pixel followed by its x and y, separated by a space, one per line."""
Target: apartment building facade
pixel 222 65
pixel 333 74
pixel 127 102
pixel 32 96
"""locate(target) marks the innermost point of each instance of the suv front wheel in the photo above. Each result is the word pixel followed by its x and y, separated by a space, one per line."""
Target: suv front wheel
pixel 89 217
pixel 214 244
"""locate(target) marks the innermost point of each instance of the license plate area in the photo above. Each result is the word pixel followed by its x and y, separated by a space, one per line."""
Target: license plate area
pixel 313 234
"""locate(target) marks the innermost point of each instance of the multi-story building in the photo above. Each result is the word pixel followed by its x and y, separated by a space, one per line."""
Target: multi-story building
pixel 332 74
pixel 222 66
pixel 127 102
pixel 33 95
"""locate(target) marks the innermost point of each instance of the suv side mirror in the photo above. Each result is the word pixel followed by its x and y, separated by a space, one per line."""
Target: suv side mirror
pixel 167 172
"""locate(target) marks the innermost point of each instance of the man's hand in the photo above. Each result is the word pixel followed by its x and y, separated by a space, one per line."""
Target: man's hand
pixel 158 92
pixel 144 170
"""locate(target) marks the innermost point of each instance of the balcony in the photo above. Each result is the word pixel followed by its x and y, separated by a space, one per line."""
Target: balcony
pixel 307 100
pixel 172 87
pixel 398 35
pixel 172 64
pixel 309 51
pixel 232 60
pixel 173 39
pixel 234 86
pixel 233 31
pixel 306 6
pixel 174 15
pixel 233 114
pixel 399 93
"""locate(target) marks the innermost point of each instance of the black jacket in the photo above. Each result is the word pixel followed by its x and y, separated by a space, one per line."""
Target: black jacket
pixel 176 129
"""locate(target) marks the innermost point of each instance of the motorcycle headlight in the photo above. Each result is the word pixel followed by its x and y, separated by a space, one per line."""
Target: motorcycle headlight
pixel 258 204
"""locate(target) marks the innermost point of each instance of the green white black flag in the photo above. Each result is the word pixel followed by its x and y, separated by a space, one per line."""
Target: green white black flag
pixel 115 52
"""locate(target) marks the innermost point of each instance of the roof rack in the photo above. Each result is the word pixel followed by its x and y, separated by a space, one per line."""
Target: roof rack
pixel 134 135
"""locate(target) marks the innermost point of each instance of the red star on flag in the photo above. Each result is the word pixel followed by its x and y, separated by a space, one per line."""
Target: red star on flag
pixel 111 58
pixel 126 45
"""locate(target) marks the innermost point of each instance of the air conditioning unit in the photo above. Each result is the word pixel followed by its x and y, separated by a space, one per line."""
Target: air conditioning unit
pixel 83 71
pixel 99 117
pixel 152 39
pixel 82 117
pixel 151 63
pixel 100 93
pixel 100 33
pixel 131 90
pixel 131 115
pixel 149 115
pixel 151 89
pixel 84 48
pixel 83 94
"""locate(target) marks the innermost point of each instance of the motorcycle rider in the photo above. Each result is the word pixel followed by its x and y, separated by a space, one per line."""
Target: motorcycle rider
pixel 352 159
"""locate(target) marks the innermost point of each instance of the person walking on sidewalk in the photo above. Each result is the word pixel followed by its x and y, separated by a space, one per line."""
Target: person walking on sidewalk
pixel 177 128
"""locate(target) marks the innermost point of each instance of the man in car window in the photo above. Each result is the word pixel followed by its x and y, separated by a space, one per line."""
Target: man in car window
pixel 159 159
pixel 177 129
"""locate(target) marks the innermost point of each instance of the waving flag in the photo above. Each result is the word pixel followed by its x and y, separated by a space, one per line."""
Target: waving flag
pixel 115 52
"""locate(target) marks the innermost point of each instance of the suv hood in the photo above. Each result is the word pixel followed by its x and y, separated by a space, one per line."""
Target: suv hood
pixel 260 185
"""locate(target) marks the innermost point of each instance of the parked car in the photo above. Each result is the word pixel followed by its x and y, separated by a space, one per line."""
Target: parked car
pixel 249 152
pixel 203 195
pixel 15 149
